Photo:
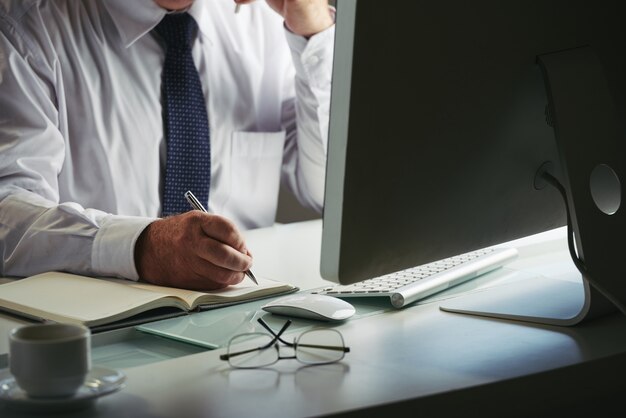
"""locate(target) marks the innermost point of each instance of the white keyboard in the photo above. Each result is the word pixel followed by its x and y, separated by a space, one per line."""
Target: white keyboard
pixel 407 286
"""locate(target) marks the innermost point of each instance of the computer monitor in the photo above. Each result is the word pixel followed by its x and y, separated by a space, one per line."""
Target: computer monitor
pixel 443 120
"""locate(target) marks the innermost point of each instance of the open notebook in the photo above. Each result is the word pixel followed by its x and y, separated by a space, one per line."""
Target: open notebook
pixel 101 303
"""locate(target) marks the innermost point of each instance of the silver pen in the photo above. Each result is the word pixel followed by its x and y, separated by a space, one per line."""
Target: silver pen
pixel 195 203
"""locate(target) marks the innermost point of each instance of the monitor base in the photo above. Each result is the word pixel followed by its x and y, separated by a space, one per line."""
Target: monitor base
pixel 539 300
pixel 584 118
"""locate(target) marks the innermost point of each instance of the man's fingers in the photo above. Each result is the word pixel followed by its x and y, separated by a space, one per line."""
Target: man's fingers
pixel 222 230
pixel 210 277
pixel 194 250
pixel 223 255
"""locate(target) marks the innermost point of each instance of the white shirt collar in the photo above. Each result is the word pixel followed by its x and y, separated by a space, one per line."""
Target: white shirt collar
pixel 134 19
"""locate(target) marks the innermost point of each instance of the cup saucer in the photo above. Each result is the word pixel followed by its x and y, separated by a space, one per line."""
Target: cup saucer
pixel 100 381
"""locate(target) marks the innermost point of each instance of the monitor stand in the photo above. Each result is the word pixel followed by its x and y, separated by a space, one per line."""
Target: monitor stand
pixel 540 300
pixel 592 162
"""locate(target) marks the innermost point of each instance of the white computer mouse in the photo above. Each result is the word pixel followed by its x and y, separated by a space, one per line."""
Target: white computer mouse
pixel 311 306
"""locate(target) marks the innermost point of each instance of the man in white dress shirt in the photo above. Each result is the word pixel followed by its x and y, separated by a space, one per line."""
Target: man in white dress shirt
pixel 82 144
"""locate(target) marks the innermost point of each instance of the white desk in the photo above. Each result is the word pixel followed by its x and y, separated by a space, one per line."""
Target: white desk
pixel 418 357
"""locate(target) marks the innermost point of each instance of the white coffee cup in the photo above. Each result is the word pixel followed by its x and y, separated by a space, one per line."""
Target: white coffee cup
pixel 50 360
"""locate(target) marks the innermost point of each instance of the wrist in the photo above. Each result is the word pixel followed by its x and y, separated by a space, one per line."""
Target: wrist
pixel 314 23
pixel 143 249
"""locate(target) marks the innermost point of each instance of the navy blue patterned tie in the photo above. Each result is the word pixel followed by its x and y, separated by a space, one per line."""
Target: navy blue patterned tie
pixel 185 117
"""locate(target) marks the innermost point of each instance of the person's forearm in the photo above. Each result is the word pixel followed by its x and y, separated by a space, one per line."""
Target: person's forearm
pixel 309 137
pixel 39 235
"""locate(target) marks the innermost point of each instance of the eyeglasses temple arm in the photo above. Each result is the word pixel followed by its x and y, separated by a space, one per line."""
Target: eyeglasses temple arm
pixel 279 333
pixel 238 353
pixel 326 347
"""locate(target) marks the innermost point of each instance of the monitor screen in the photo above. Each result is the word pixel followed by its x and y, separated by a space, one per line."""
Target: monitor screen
pixel 440 126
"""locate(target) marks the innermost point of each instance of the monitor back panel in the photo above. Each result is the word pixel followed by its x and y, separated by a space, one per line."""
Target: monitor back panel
pixel 438 126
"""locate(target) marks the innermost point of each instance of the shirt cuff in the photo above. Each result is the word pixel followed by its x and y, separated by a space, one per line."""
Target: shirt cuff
pixel 113 251
pixel 313 57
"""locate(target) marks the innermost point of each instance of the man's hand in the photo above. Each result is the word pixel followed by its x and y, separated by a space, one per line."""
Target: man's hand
pixel 302 17
pixel 194 250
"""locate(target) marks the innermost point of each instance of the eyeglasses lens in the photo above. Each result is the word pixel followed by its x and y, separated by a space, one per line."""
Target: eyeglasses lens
pixel 320 346
pixel 245 352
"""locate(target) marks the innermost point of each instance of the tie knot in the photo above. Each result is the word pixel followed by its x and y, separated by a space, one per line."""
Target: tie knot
pixel 177 29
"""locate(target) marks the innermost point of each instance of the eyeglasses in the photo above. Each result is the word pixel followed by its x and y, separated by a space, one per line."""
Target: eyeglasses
pixel 257 349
